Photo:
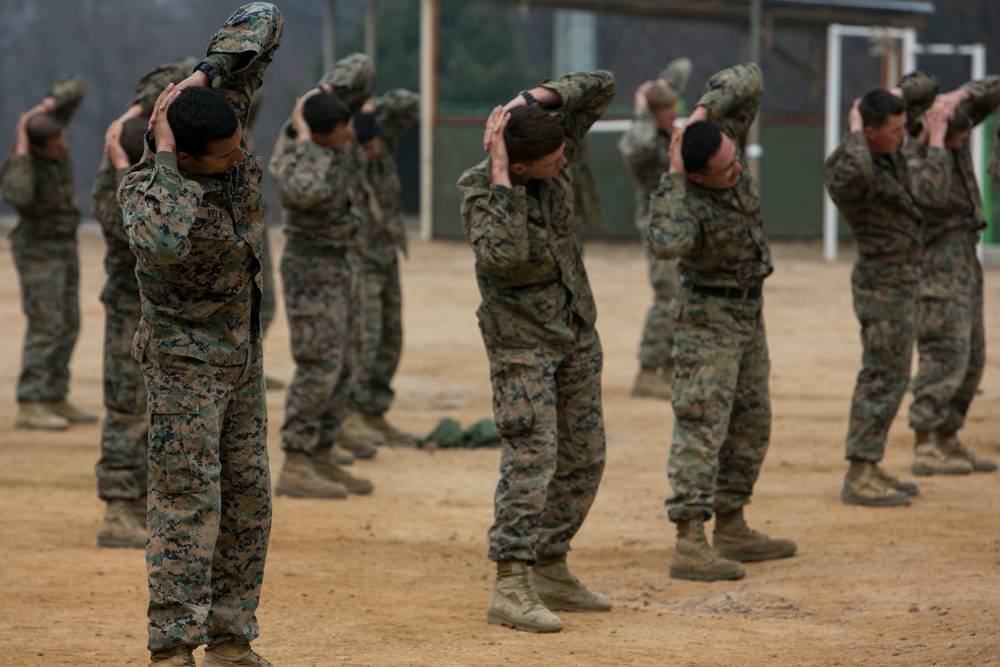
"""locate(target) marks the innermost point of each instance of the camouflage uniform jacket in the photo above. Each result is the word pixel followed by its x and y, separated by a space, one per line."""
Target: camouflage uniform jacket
pixel 119 261
pixel 877 195
pixel 963 208
pixel 395 113
pixel 42 191
pixel 528 263
pixel 197 239
pixel 646 153
pixel 322 189
pixel 717 234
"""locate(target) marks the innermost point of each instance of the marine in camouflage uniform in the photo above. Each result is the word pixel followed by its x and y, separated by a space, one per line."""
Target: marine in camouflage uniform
pixel 645 151
pixel 37 181
pixel 709 217
pixel 875 192
pixel 197 241
pixel 121 469
pixel 322 192
pixel 537 320
pixel 951 340
pixel 392 115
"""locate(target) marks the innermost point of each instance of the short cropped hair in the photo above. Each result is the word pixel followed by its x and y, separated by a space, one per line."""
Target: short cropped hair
pixel 41 128
pixel 701 141
pixel 132 137
pixel 531 134
pixel 877 105
pixel 959 122
pixel 199 117
pixel 660 97
pixel 324 112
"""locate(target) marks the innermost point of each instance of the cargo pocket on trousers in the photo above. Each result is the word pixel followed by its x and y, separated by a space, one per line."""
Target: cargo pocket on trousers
pixel 174 445
pixel 513 390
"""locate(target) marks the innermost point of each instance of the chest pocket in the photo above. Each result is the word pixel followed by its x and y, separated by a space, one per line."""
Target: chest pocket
pixel 213 223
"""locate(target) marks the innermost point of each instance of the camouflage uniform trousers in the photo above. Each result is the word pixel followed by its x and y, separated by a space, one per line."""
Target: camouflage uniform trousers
pixel 209 506
pixel 121 470
pixel 322 295
pixel 547 405
pixel 50 298
pixel 722 404
pixel 885 302
pixel 658 332
pixel 381 336
pixel 951 342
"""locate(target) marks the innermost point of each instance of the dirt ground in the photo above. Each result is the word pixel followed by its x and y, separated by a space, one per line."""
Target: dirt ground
pixel 401 577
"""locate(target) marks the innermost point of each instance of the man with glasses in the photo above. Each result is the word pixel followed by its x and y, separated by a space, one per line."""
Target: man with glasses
pixel 706 212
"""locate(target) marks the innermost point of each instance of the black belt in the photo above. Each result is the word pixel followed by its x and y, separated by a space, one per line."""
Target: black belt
pixel 727 292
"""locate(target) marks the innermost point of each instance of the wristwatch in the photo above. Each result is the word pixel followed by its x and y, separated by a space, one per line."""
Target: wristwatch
pixel 213 74
pixel 528 97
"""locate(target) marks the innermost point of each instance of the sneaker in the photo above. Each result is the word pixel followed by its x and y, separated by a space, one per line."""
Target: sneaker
pixel 515 604
pixel 863 486
pixel 232 655
pixel 35 414
pixel 70 412
pixel 560 590
pixel 119 527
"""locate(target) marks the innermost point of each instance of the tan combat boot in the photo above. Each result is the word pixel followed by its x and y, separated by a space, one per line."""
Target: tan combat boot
pixel 329 470
pixel 909 488
pixel 559 590
pixel 393 436
pixel 139 509
pixel 695 560
pixel 355 429
pixel 341 456
pixel 70 412
pixel 513 602
pixel 735 540
pixel 300 479
pixel 953 447
pixel 119 527
pixel 863 485
pixel 35 414
pixel 651 384
pixel 929 459
pixel 232 655
pixel 175 656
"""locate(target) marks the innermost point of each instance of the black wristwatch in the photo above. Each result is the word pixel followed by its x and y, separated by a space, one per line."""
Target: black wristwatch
pixel 528 97
pixel 213 74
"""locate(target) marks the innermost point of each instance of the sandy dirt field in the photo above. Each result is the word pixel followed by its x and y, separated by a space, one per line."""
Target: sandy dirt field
pixel 401 577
